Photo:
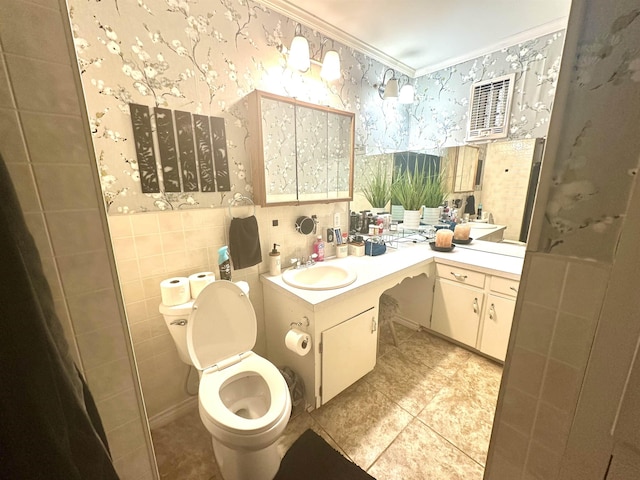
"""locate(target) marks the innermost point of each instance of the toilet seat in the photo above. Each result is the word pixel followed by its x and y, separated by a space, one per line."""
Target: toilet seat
pixel 221 326
pixel 217 412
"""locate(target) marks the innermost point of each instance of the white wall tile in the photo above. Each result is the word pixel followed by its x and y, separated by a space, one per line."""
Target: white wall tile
pixel 48 133
pixel 79 179
pixel 75 232
pixel 46 24
pixel 94 310
pixel 85 272
pixel 118 409
pixel 12 144
pixel 111 378
pixel 584 289
pixel 545 280
pixel 535 328
pixel 43 86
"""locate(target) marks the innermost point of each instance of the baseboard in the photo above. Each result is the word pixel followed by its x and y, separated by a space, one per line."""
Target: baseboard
pixel 173 413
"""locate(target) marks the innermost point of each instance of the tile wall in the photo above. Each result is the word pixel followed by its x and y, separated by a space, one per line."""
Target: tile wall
pixel 46 145
pixel 153 246
pixel 557 317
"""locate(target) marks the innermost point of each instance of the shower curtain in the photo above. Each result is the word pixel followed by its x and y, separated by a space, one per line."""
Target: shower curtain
pixel 49 425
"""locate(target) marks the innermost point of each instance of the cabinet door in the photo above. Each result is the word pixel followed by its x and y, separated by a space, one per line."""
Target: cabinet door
pixel 496 326
pixel 456 311
pixel 348 352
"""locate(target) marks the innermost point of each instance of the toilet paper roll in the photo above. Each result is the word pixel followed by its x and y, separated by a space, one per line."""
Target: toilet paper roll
pixel 198 281
pixel 175 291
pixel 298 342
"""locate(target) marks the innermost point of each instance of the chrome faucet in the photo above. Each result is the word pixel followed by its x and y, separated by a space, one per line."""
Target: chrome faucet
pixel 311 260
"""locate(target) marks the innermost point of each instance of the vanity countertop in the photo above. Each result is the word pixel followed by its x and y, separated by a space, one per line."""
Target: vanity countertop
pixel 408 257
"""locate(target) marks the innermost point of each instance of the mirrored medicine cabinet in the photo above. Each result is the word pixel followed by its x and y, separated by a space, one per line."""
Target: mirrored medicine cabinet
pixel 300 152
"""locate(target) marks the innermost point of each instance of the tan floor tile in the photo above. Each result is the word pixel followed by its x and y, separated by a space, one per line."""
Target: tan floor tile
pixel 183 450
pixel 420 454
pixel 463 417
pixel 435 352
pixel 411 385
pixel 362 421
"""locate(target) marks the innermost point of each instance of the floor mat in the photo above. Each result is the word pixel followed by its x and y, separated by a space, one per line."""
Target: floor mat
pixel 312 458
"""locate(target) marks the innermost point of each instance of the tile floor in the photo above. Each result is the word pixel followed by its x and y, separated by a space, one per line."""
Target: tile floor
pixel 424 412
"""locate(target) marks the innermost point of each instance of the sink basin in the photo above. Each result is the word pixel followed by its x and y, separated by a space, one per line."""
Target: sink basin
pixel 319 277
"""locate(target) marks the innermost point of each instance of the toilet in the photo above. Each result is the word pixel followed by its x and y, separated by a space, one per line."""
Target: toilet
pixel 243 399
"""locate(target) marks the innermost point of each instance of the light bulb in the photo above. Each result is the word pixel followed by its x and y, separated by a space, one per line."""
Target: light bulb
pixel 331 66
pixel 299 54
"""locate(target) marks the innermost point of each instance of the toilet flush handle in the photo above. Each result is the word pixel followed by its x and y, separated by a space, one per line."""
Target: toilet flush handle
pixel 182 322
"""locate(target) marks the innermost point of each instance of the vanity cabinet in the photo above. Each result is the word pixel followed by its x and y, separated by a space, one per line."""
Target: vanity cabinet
pixel 300 152
pixel 474 308
pixel 344 334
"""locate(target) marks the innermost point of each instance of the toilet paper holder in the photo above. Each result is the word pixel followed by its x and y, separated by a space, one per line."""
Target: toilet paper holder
pixel 300 324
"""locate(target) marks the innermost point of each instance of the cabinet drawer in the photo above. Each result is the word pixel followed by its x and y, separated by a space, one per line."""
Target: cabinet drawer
pixel 460 275
pixel 504 286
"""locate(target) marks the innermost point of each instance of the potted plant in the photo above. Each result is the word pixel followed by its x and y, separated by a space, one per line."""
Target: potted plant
pixel 377 188
pixel 418 189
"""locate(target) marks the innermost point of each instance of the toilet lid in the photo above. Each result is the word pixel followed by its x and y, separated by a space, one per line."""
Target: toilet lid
pixel 222 324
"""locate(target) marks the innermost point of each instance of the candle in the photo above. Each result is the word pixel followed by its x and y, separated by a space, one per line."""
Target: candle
pixel 462 232
pixel 443 238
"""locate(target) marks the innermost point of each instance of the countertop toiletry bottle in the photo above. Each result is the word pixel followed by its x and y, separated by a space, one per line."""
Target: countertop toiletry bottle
pixel 274 261
pixel 318 249
pixel 479 214
pixel 224 263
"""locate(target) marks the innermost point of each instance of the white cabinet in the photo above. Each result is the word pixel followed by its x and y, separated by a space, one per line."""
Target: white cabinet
pixel 498 316
pixel 348 352
pixel 344 337
pixel 456 311
pixel 474 308
pixel 496 326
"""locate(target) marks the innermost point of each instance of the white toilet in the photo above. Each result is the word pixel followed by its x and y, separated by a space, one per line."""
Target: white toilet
pixel 243 399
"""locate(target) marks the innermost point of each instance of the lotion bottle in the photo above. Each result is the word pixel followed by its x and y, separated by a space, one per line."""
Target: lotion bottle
pixel 318 249
pixel 274 261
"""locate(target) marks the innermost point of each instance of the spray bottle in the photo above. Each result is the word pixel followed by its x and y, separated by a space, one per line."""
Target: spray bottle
pixel 224 263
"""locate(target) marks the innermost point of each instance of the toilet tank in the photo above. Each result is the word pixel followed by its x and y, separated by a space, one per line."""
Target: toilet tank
pixel 176 318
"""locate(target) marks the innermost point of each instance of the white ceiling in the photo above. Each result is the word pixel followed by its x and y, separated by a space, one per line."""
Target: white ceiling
pixel 420 36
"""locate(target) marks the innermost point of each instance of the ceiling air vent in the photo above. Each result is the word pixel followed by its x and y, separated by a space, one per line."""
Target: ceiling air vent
pixel 489 108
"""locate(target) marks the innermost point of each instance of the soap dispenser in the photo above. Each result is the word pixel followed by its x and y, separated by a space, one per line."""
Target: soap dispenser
pixel 274 261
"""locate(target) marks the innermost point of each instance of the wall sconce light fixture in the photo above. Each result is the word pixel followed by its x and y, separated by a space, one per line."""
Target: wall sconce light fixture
pixel 390 89
pixel 300 59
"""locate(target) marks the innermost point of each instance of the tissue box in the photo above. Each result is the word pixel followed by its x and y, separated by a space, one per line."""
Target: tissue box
pixel 356 249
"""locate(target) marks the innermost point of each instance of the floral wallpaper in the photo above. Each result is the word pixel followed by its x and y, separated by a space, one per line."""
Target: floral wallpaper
pixel 439 116
pixel 206 57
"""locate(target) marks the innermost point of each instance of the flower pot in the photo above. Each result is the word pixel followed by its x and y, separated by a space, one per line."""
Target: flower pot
pixel 411 219
pixel 431 216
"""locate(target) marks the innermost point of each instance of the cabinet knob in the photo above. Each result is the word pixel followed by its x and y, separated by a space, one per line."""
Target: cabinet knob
pixel 475 305
pixel 514 289
pixel 492 311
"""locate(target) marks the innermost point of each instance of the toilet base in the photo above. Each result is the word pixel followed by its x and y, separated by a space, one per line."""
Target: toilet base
pixel 262 464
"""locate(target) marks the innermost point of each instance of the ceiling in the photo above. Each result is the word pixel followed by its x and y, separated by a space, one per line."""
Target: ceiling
pixel 421 36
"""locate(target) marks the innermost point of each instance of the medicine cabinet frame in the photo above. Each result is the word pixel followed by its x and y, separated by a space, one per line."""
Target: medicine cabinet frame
pixel 301 153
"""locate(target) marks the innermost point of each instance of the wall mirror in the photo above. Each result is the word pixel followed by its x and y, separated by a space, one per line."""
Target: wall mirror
pixel 300 152
pixel 502 175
